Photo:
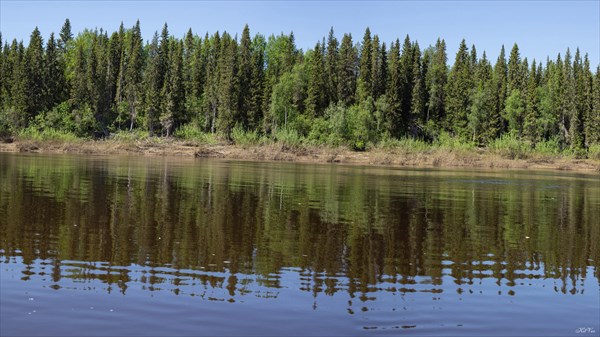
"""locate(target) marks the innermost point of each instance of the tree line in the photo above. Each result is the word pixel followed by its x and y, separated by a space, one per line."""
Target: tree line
pixel 337 92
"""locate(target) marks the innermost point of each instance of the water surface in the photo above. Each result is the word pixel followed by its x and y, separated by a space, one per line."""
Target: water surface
pixel 159 246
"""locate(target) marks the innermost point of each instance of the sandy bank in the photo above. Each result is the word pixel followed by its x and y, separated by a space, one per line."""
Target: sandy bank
pixel 478 158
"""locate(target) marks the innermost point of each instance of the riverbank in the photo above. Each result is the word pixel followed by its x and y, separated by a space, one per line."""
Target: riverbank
pixel 394 156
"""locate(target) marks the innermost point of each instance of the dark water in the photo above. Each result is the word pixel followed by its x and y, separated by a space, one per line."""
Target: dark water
pixel 153 246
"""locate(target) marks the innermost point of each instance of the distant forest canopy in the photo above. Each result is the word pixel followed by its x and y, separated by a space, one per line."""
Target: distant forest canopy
pixel 343 92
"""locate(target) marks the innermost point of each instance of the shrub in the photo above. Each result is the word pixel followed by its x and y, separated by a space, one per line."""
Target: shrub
pixel 446 142
pixel 129 136
pixel 550 147
pixel 191 132
pixel 360 128
pixel 319 131
pixel 288 137
pixel 594 151
pixel 509 146
pixel 48 134
pixel 243 137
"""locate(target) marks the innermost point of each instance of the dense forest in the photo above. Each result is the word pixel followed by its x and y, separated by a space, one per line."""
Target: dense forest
pixel 348 92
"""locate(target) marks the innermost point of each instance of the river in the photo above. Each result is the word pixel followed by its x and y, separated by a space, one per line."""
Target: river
pixel 102 245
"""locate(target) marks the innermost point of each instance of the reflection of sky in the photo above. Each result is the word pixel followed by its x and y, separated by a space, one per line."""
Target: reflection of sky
pixel 93 295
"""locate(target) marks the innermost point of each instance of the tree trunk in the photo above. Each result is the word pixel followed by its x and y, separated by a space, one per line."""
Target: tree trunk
pixel 214 116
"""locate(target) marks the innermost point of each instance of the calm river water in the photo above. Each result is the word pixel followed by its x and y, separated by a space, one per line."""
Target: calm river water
pixel 158 246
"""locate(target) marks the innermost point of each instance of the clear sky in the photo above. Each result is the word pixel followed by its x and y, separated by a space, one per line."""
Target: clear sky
pixel 540 28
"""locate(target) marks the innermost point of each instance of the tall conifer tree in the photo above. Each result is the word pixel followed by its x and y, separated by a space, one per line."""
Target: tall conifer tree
pixel 34 70
pixel 458 92
pixel 365 78
pixel 331 68
pixel 347 71
pixel 437 79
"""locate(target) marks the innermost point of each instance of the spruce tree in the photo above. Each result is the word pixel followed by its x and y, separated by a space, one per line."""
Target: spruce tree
pixel 113 63
pixel 79 87
pixel 406 82
pixel 211 91
pixel 580 99
pixel 257 83
pixel 437 79
pixel 245 77
pixel 331 68
pixel 514 72
pixel 418 97
pixel 550 101
pixel 4 74
pixel 530 128
pixel 473 62
pixel 17 88
pixel 570 120
pixel 54 75
pixel 500 89
pixel 92 78
pixel 65 35
pixel 394 120
pixel 189 48
pixel 34 70
pixel 482 103
pixel 588 105
pixel 228 86
pixel 173 91
pixel 458 92
pixel 593 119
pixel 365 78
pixel 133 75
pixel 378 68
pixel 152 86
pixel 347 71
pixel 315 100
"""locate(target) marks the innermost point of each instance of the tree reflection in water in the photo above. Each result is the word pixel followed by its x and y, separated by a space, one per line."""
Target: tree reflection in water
pixel 226 230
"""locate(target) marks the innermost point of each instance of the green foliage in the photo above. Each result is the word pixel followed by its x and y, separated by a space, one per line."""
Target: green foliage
pixel 126 136
pixel 322 132
pixel 479 115
pixel 511 147
pixel 549 147
pixel 446 141
pixel 360 129
pixel 288 137
pixel 458 92
pixel 515 111
pixel 594 152
pixel 65 118
pixel 5 126
pixel 408 145
pixel 287 98
pixel 302 124
pixel 336 93
pixel 191 132
pixel 48 134
pixel 244 137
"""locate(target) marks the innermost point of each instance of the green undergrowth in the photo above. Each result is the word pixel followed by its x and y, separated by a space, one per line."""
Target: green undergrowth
pixel 508 146
pixel 193 134
pixel 49 134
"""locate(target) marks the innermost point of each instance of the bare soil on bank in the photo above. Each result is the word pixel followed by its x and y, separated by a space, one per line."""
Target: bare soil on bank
pixel 397 157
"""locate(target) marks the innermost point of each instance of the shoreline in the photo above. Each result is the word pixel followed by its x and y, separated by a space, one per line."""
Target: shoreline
pixel 394 157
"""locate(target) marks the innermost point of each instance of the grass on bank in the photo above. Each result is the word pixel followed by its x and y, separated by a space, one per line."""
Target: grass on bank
pixel 508 146
pixel 47 135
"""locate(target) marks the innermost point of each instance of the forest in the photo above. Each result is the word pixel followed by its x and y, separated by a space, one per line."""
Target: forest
pixel 353 93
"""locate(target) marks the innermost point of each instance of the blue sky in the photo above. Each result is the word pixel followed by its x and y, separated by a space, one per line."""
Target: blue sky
pixel 541 28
